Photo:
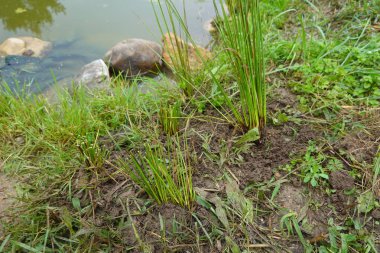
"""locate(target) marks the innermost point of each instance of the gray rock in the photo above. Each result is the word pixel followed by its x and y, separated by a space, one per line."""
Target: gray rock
pixel 134 57
pixel 94 75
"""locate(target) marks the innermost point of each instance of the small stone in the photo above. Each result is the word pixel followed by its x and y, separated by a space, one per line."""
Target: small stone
pixel 20 140
pixel 12 46
pixel 94 75
pixel 134 57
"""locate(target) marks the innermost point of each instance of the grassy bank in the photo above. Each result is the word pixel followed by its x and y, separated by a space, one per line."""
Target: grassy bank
pixel 177 171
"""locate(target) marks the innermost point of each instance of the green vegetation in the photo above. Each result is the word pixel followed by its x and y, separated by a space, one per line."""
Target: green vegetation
pixel 180 169
pixel 241 37
pixel 315 166
pixel 169 116
pixel 175 25
pixel 164 180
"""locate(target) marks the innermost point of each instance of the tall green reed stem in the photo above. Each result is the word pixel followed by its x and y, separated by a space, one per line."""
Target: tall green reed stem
pixel 241 35
pixel 171 20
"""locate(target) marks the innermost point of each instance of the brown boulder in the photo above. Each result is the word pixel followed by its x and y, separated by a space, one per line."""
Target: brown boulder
pixel 134 57
pixel 174 48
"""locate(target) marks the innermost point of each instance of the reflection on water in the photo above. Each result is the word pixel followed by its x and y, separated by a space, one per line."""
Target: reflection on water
pixel 29 15
pixel 82 31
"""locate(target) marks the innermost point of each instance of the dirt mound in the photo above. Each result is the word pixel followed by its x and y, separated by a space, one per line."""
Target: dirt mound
pixel 255 164
pixel 341 180
pixel 361 144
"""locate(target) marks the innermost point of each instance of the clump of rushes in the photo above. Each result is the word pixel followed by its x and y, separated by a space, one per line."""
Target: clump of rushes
pixel 169 116
pixel 170 21
pixel 165 179
pixel 241 35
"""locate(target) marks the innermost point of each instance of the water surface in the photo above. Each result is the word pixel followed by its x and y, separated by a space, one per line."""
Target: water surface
pixel 82 31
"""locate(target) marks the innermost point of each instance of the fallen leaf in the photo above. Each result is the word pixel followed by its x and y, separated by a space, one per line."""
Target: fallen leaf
pixel 20 10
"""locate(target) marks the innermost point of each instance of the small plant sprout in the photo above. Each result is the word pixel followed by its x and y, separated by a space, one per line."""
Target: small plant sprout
pixel 311 167
pixel 93 155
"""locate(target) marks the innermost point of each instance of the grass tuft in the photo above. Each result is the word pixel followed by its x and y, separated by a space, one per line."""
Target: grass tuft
pixel 169 116
pixel 165 178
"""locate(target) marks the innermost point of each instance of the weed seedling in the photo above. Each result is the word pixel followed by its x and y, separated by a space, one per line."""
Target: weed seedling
pixel 93 155
pixel 311 167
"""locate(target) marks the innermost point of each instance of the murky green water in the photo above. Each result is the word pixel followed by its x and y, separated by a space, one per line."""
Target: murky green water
pixel 82 31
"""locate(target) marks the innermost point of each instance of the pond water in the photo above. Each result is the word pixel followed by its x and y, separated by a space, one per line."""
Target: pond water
pixel 82 31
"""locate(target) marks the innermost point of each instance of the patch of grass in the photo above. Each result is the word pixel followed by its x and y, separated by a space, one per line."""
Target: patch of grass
pixel 46 159
pixel 340 240
pixel 165 176
pixel 169 117
pixel 93 155
pixel 353 80
pixel 328 65
pixel 173 22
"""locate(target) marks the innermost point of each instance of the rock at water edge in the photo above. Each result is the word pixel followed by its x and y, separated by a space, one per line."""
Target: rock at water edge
pixel 134 57
pixel 94 75
pixel 27 46
pixel 171 55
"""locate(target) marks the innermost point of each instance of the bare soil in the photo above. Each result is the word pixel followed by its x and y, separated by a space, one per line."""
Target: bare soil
pixel 214 155
pixel 7 195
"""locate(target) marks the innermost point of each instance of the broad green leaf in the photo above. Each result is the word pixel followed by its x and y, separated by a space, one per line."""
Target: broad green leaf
pixel 325 176
pixel 366 202
pixel 221 213
pixel 203 202
pixel 251 136
pixel 76 204
pixel 25 247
